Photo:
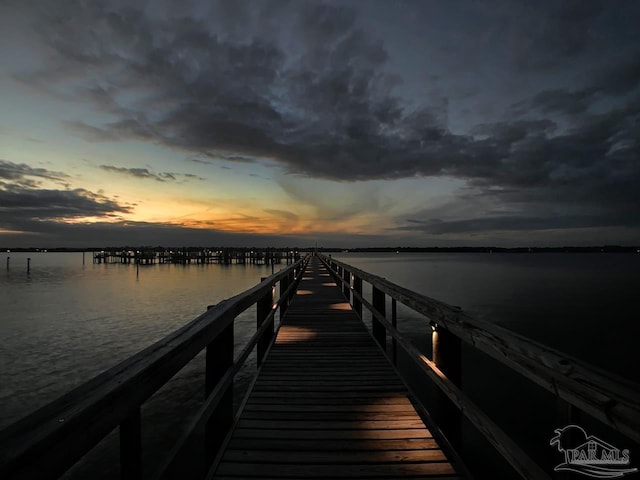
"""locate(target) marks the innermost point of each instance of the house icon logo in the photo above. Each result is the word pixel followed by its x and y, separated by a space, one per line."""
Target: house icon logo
pixel 589 455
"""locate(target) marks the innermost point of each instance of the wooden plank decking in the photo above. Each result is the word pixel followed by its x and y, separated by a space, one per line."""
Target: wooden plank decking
pixel 327 404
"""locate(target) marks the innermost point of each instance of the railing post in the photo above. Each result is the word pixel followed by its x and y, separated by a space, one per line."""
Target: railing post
pixel 566 414
pixel 346 289
pixel 394 323
pixel 447 355
pixel 131 447
pixel 263 307
pixel 357 288
pixel 379 332
pixel 219 358
pixel 292 278
pixel 284 284
pixel 297 270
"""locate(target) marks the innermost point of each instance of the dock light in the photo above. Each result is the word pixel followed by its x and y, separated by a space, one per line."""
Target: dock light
pixel 434 325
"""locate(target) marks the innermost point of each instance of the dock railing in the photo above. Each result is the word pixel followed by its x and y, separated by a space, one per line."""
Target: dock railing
pixel 48 442
pixel 578 386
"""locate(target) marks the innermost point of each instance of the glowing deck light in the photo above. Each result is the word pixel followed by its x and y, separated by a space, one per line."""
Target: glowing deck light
pixel 340 306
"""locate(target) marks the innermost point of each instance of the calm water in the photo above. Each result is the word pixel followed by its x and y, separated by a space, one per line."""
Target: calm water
pixel 66 322
pixel 583 304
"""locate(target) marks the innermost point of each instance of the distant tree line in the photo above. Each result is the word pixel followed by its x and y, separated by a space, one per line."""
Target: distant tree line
pixel 148 248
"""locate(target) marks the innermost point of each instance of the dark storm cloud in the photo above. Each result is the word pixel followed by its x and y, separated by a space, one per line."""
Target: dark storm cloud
pixel 322 107
pixel 17 201
pixel 24 204
pixel 620 78
pixel 617 80
pixel 305 85
pixel 148 174
pixel 563 101
pixel 20 172
pixel 513 223
pixel 189 84
pixel 554 32
pixel 584 176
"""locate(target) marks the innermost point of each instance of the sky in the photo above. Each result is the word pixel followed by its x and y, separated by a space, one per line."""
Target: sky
pixel 341 123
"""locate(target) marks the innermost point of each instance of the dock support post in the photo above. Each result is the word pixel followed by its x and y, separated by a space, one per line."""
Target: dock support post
pixel 263 308
pixel 131 447
pixel 447 355
pixel 346 289
pixel 379 332
pixel 357 288
pixel 219 359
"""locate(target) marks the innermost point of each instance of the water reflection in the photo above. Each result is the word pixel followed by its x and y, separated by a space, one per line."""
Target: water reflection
pixel 67 322
pixel 562 300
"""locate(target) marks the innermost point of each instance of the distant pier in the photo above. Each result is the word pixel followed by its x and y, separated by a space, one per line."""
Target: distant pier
pixel 187 256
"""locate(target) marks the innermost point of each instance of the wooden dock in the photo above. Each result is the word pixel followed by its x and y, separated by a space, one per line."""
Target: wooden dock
pixel 327 403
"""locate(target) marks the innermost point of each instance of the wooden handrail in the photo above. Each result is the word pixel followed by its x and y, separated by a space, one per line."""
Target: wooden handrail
pixel 212 401
pixel 47 442
pixel 610 399
pixel 613 401
pixel 509 449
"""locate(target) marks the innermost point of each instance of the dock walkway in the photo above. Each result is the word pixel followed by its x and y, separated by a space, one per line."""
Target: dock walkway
pixel 327 403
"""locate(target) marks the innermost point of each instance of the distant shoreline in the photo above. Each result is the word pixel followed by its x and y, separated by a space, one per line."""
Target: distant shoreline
pixel 564 249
